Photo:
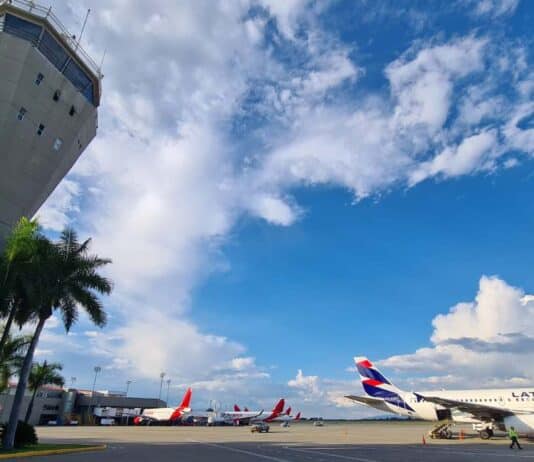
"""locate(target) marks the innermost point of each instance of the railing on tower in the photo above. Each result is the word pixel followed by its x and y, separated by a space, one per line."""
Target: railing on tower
pixel 48 15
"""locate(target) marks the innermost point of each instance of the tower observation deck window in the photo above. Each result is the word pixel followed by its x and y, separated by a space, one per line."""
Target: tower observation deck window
pixel 55 53
pixel 79 79
pixel 21 28
pixel 63 60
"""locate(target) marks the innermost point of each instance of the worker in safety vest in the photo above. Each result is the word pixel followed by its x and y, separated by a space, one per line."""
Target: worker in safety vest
pixel 512 434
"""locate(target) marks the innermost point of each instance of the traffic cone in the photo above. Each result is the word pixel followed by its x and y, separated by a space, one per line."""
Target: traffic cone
pixel 424 441
pixel 461 434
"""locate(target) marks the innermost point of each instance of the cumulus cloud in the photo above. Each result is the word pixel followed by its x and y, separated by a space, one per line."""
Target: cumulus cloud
pixel 486 342
pixel 308 386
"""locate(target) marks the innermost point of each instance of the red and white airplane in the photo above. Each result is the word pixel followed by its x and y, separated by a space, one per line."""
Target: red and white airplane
pixel 287 417
pixel 245 417
pixel 166 414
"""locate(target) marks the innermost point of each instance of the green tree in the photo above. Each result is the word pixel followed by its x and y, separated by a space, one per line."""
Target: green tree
pixel 62 277
pixel 11 358
pixel 40 375
pixel 19 250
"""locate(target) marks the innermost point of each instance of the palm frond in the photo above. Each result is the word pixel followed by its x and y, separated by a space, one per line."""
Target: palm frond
pixel 91 304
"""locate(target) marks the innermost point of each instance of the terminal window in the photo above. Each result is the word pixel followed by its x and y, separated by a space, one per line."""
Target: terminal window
pixel 22 113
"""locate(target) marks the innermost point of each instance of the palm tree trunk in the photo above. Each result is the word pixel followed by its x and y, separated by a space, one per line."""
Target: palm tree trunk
pixel 7 327
pixel 30 407
pixel 9 435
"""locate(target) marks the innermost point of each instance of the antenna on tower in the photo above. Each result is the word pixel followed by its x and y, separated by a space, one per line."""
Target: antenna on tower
pixel 83 28
pixel 102 62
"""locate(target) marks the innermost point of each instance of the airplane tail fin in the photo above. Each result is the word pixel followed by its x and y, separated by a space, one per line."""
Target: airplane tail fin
pixel 236 408
pixel 373 382
pixel 279 408
pixel 288 412
pixel 184 407
pixel 297 417
pixel 246 409
pixel 186 401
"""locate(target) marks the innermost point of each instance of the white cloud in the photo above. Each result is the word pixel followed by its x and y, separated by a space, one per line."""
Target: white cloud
pixel 308 386
pixel 273 209
pixel 519 138
pixel 242 363
pixel 60 209
pixel 423 85
pixel 287 14
pixel 494 8
pixel 486 342
pixel 473 153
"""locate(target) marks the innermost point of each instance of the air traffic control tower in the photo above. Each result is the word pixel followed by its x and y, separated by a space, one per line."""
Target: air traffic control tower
pixel 49 95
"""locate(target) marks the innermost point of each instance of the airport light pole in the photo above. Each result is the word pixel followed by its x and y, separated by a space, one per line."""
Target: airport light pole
pixel 161 376
pixel 168 387
pixel 72 381
pixel 128 382
pixel 97 369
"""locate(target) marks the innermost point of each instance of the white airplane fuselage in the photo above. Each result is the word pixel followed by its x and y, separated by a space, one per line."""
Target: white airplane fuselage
pixel 485 408
pixel 252 416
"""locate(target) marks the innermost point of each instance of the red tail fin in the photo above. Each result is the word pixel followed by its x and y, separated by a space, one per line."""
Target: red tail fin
pixel 246 409
pixel 288 412
pixel 236 408
pixel 279 408
pixel 297 417
pixel 186 401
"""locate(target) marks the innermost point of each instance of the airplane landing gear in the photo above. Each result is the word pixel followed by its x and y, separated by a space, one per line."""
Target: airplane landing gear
pixel 486 433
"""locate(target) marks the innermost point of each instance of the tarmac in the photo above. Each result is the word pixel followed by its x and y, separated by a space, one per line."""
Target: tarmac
pixel 302 442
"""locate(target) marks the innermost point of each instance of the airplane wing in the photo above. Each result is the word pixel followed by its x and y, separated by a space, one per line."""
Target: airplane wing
pixel 365 399
pixel 479 411
pixel 377 403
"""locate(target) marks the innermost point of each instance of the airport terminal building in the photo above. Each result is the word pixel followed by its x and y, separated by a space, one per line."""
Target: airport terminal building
pixel 75 406
pixel 49 96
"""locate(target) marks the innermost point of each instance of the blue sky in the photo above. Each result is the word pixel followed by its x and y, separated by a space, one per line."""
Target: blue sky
pixel 283 185
pixel 348 274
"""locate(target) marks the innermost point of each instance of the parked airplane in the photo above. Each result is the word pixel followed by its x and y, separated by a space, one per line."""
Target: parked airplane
pixel 287 417
pixel 166 414
pixel 487 410
pixel 237 409
pixel 253 416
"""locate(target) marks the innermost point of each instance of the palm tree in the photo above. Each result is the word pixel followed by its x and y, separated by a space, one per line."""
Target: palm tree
pixel 19 250
pixel 62 277
pixel 40 375
pixel 11 358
